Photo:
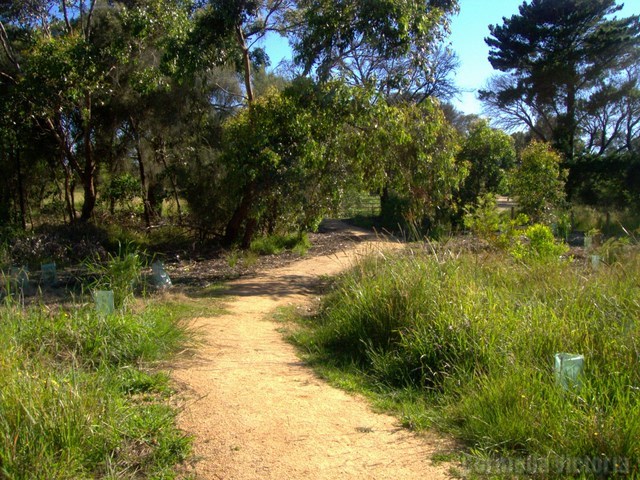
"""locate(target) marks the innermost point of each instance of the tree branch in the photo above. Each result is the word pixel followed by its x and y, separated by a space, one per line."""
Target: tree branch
pixel 4 39
pixel 65 15
pixel 89 17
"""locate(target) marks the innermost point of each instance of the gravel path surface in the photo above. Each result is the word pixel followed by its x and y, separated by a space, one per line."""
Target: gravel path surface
pixel 257 412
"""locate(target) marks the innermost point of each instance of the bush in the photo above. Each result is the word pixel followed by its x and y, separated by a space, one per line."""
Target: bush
pixel 538 244
pixel 537 182
pixel 122 190
pixel 483 218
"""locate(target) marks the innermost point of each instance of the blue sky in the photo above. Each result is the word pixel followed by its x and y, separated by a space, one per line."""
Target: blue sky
pixel 468 31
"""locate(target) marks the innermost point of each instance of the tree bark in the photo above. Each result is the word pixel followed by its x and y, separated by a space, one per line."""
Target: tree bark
pixel 571 121
pixel 249 232
pixel 240 215
pixel 143 185
pixel 143 177
pixel 89 186
pixel 246 60
pixel 68 190
pixel 88 173
pixel 174 186
pixel 21 195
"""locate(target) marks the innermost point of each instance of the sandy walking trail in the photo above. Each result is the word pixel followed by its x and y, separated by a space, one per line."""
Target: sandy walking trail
pixel 257 412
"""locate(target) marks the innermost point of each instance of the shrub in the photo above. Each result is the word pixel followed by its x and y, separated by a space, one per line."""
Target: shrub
pixel 537 182
pixel 538 244
pixel 483 218
pixel 122 190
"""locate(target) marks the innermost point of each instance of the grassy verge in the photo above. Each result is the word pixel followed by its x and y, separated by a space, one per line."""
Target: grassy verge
pixel 274 244
pixel 466 344
pixel 79 397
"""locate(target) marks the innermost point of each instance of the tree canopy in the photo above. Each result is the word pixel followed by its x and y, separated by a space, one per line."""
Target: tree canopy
pixel 394 45
pixel 135 108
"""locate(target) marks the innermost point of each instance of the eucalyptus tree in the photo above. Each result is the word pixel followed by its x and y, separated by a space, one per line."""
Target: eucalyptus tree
pixel 298 149
pixel 82 71
pixel 392 45
pixel 60 76
pixel 266 146
pixel 417 170
pixel 236 30
pixel 229 33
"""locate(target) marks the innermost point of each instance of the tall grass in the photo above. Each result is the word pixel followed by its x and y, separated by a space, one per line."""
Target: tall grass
pixel 470 341
pixel 121 273
pixel 76 400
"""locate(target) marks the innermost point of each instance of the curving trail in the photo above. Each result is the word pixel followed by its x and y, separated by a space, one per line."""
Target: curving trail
pixel 257 412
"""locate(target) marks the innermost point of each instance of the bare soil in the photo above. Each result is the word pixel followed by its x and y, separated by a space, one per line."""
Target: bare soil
pixel 257 412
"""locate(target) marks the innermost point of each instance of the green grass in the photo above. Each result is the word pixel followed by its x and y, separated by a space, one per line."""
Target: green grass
pixel 466 344
pixel 274 244
pixel 78 396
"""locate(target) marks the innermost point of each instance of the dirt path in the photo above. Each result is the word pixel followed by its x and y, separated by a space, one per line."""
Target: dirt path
pixel 258 413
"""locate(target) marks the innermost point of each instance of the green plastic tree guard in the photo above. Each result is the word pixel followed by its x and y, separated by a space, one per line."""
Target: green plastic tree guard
pixel 160 276
pixel 568 368
pixel 48 273
pixel 20 278
pixel 104 302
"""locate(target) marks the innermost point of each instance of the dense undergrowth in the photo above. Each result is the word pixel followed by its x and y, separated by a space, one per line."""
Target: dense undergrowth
pixel 79 397
pixel 466 343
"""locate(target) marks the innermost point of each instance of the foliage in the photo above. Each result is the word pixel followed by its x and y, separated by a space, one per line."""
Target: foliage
pixel 122 189
pixel 483 218
pixel 485 221
pixel 419 166
pixel 84 75
pixel 606 181
pixel 538 244
pixel 489 153
pixel 289 156
pixel 537 181
pixel 468 345
pixel 346 34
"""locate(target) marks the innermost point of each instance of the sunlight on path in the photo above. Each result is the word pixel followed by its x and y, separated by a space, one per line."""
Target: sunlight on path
pixel 258 413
